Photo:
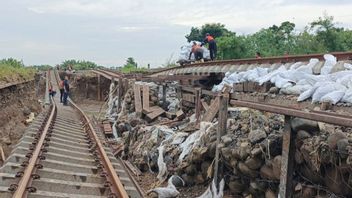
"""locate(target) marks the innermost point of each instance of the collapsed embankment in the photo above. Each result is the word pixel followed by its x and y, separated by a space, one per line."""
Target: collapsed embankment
pixel 84 85
pixel 250 152
pixel 19 103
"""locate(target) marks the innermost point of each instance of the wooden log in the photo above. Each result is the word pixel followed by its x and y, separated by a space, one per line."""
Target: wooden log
pixel 205 105
pixel 164 96
pixel 146 97
pixel 238 87
pixel 223 108
pixel 212 111
pixel 120 92
pixel 197 103
pixel 137 100
pixel 287 163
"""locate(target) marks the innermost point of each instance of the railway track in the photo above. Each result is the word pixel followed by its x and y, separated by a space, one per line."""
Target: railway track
pixel 61 155
pixel 236 65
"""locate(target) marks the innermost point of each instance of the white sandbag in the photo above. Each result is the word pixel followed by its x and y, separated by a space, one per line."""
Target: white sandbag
pixel 213 192
pixel 330 61
pixel 281 82
pixel 168 191
pixel 295 90
pixel 347 66
pixel 309 67
pixel 294 66
pixel 179 137
pixel 162 174
pixel 308 93
pixel 345 80
pixel 348 96
pixel 333 97
pixel 192 139
pixel 271 75
pixel 323 90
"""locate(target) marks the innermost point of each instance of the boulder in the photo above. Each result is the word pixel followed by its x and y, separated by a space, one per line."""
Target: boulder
pixel 304 124
pixel 270 194
pixel 342 148
pixel 334 138
pixel 236 186
pixel 253 163
pixel 256 136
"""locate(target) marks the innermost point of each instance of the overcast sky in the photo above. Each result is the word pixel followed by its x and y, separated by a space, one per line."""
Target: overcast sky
pixel 151 31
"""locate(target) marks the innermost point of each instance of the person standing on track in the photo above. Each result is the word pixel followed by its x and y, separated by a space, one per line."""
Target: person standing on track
pixel 66 90
pixel 211 45
pixel 61 87
pixel 197 51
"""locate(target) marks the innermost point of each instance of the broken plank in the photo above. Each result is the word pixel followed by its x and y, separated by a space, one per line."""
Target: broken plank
pixel 107 129
pixel 157 112
pixel 146 97
pixel 287 160
pixel 137 100
pixel 212 111
pixel 188 97
pixel 205 105
pixel 170 115
pixel 180 115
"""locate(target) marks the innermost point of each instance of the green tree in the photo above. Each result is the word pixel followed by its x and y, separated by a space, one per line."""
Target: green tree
pixel 214 29
pixel 12 62
pixel 326 32
pixel 194 35
pixel 131 62
pixel 78 64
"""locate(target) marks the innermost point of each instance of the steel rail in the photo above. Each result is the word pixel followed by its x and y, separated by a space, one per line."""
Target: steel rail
pixel 320 116
pixel 116 185
pixel 266 60
pixel 15 83
pixel 25 180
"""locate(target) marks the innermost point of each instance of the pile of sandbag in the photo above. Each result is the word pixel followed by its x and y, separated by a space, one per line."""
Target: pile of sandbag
pixel 300 80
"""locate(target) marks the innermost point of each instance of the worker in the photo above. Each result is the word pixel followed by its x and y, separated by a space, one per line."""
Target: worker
pixel 66 90
pixel 211 45
pixel 258 55
pixel 52 92
pixel 61 87
pixel 197 50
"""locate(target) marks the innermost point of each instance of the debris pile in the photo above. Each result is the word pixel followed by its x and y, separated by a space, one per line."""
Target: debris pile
pixel 250 151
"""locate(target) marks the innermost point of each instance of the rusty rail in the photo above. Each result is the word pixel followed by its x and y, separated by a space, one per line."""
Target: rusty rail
pixel 15 83
pixel 27 176
pixel 331 118
pixel 266 60
pixel 114 182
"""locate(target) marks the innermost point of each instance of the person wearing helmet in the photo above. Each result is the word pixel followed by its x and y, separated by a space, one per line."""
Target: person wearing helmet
pixel 211 45
pixel 197 50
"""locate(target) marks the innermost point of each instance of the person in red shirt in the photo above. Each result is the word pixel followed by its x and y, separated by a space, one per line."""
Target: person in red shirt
pixel 211 45
pixel 197 50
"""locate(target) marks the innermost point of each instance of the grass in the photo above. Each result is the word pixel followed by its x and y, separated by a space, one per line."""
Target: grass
pixel 133 70
pixel 11 74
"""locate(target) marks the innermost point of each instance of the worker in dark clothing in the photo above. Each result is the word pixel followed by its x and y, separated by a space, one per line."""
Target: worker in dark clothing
pixel 197 50
pixel 66 90
pixel 211 45
pixel 61 87
pixel 258 55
